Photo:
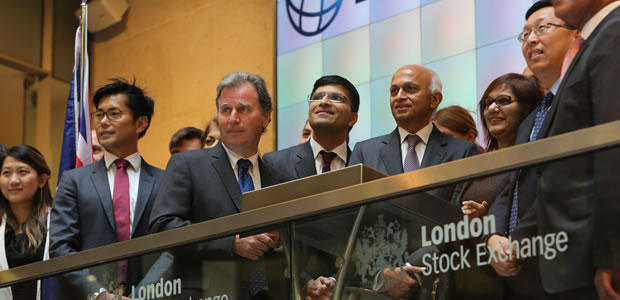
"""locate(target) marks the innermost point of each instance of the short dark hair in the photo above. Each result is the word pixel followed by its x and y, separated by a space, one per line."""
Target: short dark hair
pixel 527 91
pixel 536 6
pixel 237 79
pixel 354 96
pixel 184 134
pixel 139 103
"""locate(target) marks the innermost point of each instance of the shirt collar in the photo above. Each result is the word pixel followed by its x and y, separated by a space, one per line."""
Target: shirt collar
pixel 134 160
pixel 589 27
pixel 234 158
pixel 555 86
pixel 341 150
pixel 423 133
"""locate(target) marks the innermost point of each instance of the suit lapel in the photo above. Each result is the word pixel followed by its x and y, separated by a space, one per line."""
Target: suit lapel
pixel 99 177
pixel 523 135
pixel 305 165
pixel 222 166
pixel 267 175
pixel 435 149
pixel 544 129
pixel 144 192
pixel 390 153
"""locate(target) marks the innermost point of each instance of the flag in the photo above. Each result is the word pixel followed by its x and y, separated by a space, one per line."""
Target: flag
pixel 77 147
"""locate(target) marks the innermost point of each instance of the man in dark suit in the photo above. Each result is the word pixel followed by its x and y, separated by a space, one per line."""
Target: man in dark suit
pixel 579 195
pixel 110 200
pixel 415 94
pixel 545 40
pixel 334 103
pixel 333 107
pixel 206 184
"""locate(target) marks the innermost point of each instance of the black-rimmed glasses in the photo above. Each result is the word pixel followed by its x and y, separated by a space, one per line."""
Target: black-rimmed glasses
pixel 501 100
pixel 112 114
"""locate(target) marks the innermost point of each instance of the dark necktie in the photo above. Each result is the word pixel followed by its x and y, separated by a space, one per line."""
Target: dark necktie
pixel 541 114
pixel 257 280
pixel 411 159
pixel 122 218
pixel 327 160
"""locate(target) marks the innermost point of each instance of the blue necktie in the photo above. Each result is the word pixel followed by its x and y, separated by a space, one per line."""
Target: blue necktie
pixel 541 114
pixel 257 280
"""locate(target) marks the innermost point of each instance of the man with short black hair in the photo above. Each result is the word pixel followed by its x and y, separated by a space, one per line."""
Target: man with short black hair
pixel 108 201
pixel 185 139
pixel 333 106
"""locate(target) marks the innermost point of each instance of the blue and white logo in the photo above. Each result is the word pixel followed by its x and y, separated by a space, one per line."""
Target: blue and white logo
pixel 309 21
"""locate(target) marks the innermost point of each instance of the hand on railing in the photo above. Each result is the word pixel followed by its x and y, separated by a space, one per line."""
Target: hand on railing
pixel 474 209
pixel 506 265
pixel 319 289
pixel 253 247
pixel 110 296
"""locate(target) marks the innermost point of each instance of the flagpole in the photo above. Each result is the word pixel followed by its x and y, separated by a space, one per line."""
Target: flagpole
pixel 83 33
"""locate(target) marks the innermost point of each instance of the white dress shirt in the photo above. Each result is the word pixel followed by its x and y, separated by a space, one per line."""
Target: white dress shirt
pixel 133 174
pixel 254 170
pixel 589 27
pixel 420 148
pixel 339 162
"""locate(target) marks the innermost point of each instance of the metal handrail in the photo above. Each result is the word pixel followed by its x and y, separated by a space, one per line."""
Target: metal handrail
pixel 544 150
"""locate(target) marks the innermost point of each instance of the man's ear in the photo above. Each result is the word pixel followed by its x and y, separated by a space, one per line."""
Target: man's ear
pixel 436 100
pixel 141 124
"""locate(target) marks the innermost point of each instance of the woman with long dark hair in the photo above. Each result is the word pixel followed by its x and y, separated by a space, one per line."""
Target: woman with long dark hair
pixel 24 206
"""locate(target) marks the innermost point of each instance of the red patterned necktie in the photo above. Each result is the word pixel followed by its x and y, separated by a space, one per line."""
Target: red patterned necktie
pixel 327 160
pixel 570 55
pixel 121 211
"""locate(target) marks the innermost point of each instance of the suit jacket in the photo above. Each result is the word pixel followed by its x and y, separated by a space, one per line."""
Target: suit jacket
pixel 295 162
pixel 198 186
pixel 82 218
pixel 383 153
pixel 579 195
pixel 527 191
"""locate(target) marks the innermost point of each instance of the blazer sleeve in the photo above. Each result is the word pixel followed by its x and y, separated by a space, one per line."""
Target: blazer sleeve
pixel 65 221
pixel 356 156
pixel 605 93
pixel 174 199
pixel 65 233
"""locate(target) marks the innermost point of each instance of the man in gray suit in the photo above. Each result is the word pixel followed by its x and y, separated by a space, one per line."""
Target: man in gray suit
pixel 415 94
pixel 206 184
pixel 110 200
pixel 580 195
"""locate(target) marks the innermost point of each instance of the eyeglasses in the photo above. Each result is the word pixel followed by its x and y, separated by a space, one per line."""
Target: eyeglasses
pixel 332 96
pixel 539 30
pixel 501 100
pixel 112 114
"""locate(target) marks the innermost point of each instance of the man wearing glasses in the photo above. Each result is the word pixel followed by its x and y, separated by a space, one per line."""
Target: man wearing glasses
pixel 545 41
pixel 108 201
pixel 333 106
